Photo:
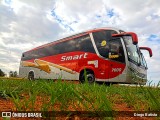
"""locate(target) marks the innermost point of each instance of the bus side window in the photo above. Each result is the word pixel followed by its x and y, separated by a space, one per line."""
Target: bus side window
pixel 84 44
pixel 101 39
pixel 116 51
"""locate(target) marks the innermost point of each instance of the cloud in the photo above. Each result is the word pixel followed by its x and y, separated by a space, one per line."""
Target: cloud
pixel 7 16
pixel 24 26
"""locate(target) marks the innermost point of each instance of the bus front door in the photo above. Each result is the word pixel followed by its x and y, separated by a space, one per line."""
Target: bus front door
pixel 116 61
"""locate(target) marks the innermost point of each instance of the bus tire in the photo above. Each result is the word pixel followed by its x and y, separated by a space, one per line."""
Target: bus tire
pixel 90 77
pixel 31 76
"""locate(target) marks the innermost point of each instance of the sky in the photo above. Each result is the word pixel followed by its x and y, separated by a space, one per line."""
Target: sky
pixel 25 24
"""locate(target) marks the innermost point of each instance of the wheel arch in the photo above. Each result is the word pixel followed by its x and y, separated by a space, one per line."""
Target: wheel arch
pixel 31 72
pixel 90 69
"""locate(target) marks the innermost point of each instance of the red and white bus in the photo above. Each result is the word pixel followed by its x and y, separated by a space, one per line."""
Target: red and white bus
pixel 107 54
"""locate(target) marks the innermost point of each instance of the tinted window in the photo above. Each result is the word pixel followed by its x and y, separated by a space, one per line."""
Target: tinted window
pixel 84 44
pixel 101 39
pixel 78 44
pixel 116 51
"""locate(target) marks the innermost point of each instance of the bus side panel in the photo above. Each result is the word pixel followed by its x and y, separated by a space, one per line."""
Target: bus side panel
pixel 68 66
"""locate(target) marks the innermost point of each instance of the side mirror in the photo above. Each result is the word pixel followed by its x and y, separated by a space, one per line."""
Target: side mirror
pixel 147 48
pixel 132 34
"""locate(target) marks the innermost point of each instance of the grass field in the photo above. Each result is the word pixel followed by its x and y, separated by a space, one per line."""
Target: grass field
pixel 44 95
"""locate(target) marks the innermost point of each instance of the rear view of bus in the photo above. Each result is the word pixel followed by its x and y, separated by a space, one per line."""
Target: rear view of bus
pixel 106 54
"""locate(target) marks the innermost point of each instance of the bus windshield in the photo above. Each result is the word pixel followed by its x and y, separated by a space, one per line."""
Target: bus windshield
pixel 143 61
pixel 132 50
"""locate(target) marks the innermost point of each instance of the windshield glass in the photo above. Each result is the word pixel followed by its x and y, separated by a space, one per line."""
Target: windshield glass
pixel 132 50
pixel 143 61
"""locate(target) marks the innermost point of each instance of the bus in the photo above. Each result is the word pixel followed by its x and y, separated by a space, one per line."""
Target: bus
pixel 107 55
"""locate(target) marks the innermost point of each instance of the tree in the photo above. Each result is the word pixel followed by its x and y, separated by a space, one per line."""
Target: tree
pixel 13 74
pixel 2 74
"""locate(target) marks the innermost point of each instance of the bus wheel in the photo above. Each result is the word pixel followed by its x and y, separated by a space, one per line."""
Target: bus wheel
pixel 31 75
pixel 89 75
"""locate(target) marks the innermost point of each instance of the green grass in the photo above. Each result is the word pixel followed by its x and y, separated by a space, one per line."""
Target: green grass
pixel 64 96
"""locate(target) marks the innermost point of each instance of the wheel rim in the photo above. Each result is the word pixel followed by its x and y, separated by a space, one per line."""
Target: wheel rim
pixel 31 76
pixel 90 78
